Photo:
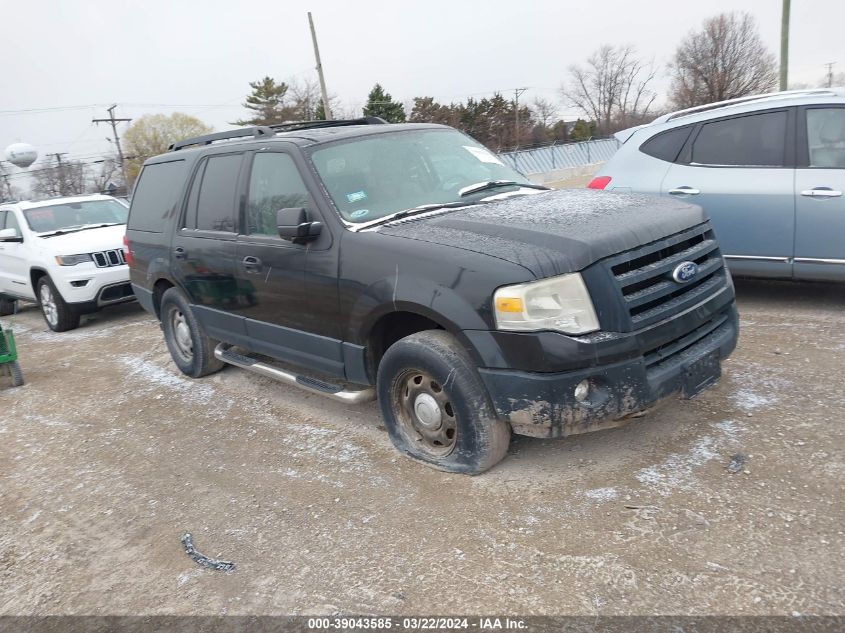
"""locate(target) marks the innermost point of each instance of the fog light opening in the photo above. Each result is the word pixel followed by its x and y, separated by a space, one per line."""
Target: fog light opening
pixel 582 390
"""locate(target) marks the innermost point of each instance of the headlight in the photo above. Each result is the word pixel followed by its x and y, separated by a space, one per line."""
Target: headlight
pixel 73 260
pixel 559 303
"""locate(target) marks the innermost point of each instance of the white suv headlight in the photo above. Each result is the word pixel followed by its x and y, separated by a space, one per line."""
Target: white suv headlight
pixel 558 303
pixel 73 260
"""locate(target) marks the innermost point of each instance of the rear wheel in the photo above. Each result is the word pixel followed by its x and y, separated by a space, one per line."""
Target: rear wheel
pixel 7 306
pixel 435 406
pixel 58 314
pixel 191 349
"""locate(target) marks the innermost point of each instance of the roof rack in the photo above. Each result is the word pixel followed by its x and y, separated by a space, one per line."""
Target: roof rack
pixel 740 100
pixel 271 130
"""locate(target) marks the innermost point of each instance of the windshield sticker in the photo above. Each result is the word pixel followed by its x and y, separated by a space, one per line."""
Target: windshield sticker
pixel 360 213
pixel 356 196
pixel 485 156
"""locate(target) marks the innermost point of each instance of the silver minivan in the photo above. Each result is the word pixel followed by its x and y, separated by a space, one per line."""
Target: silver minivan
pixel 769 170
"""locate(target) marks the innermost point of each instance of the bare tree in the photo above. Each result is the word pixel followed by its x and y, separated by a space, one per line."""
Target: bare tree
pixel 65 179
pixel 613 88
pixel 151 134
pixel 724 60
pixel 545 112
pixel 99 179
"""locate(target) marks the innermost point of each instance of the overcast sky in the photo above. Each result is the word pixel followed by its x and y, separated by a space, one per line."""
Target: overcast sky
pixel 197 56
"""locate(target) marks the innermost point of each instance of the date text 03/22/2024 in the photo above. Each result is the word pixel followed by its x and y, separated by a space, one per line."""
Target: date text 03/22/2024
pixel 416 623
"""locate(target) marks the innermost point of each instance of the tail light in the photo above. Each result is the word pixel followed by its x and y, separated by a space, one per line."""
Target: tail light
pixel 127 252
pixel 600 182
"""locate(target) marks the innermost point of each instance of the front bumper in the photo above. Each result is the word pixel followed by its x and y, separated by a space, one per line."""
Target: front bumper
pixel 544 404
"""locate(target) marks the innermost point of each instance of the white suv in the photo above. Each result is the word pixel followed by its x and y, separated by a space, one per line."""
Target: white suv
pixel 66 254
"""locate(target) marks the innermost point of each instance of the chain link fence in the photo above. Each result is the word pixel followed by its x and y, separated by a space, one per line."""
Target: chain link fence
pixel 541 160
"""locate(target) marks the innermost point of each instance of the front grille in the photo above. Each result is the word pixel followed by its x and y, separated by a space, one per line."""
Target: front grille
pixel 106 259
pixel 644 275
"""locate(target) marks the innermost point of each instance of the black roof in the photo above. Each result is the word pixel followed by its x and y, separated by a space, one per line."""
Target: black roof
pixel 302 136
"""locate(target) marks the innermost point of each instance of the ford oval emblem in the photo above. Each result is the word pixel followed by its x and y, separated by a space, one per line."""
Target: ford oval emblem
pixel 684 272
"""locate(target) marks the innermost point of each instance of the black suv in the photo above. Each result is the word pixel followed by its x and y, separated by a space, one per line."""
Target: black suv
pixel 355 259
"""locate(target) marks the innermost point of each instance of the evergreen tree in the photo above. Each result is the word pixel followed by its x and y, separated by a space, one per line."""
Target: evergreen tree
pixel 320 112
pixel 381 104
pixel 267 103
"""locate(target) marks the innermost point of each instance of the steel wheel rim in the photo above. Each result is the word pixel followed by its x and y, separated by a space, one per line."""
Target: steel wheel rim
pixel 181 335
pixel 424 412
pixel 48 305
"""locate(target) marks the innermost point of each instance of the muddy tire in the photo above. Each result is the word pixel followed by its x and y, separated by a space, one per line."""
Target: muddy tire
pixel 435 407
pixel 17 374
pixel 189 346
pixel 58 314
pixel 7 306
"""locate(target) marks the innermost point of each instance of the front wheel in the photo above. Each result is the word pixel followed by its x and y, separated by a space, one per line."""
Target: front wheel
pixel 435 406
pixel 58 314
pixel 190 348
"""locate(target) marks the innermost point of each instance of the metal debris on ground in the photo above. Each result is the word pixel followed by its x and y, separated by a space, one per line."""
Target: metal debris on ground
pixel 737 462
pixel 201 559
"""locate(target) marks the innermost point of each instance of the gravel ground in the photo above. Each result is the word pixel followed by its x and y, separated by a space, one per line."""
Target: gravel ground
pixel 108 456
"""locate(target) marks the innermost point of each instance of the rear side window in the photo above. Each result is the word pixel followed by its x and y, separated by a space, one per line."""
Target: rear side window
pixel 156 196
pixel 274 184
pixel 758 140
pixel 667 145
pixel 215 198
pixel 826 137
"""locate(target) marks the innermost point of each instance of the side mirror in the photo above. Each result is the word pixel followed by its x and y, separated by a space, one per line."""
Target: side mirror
pixel 10 235
pixel 295 224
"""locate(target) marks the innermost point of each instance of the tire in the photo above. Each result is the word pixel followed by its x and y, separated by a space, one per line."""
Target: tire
pixel 190 347
pixel 435 407
pixel 7 306
pixel 17 375
pixel 58 314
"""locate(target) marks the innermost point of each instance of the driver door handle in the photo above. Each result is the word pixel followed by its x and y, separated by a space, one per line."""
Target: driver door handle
pixel 251 264
pixel 684 191
pixel 821 192
pixel 179 253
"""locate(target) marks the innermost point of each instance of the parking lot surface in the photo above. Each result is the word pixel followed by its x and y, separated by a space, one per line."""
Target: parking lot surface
pixel 108 456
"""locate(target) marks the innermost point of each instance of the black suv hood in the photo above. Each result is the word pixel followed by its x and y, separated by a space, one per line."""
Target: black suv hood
pixel 554 232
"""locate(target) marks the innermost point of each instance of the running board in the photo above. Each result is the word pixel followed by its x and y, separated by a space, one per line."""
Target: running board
pixel 223 352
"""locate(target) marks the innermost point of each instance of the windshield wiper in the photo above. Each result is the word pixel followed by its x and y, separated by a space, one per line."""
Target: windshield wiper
pixel 493 184
pixel 415 210
pixel 76 229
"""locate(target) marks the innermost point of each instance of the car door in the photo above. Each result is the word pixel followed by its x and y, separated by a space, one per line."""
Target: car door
pixel 819 189
pixel 740 170
pixel 285 317
pixel 203 248
pixel 13 259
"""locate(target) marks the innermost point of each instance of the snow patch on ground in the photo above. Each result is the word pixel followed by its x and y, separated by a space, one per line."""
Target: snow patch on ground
pixel 677 471
pixel 602 494
pixel 85 333
pixel 158 377
pixel 757 387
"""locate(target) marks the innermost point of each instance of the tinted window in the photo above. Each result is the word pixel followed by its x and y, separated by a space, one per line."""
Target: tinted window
pixel 667 145
pixel 826 137
pixel 756 140
pixel 191 215
pixel 216 201
pixel 156 195
pixel 274 184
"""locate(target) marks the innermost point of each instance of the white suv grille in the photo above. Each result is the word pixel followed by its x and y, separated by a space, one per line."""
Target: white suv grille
pixel 106 259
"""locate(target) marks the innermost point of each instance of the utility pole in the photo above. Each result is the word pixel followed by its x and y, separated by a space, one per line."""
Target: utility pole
pixel 114 121
pixel 516 93
pixel 326 107
pixel 61 172
pixel 830 66
pixel 784 45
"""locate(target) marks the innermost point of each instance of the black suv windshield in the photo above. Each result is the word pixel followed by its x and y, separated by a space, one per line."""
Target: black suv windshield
pixel 69 216
pixel 374 176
